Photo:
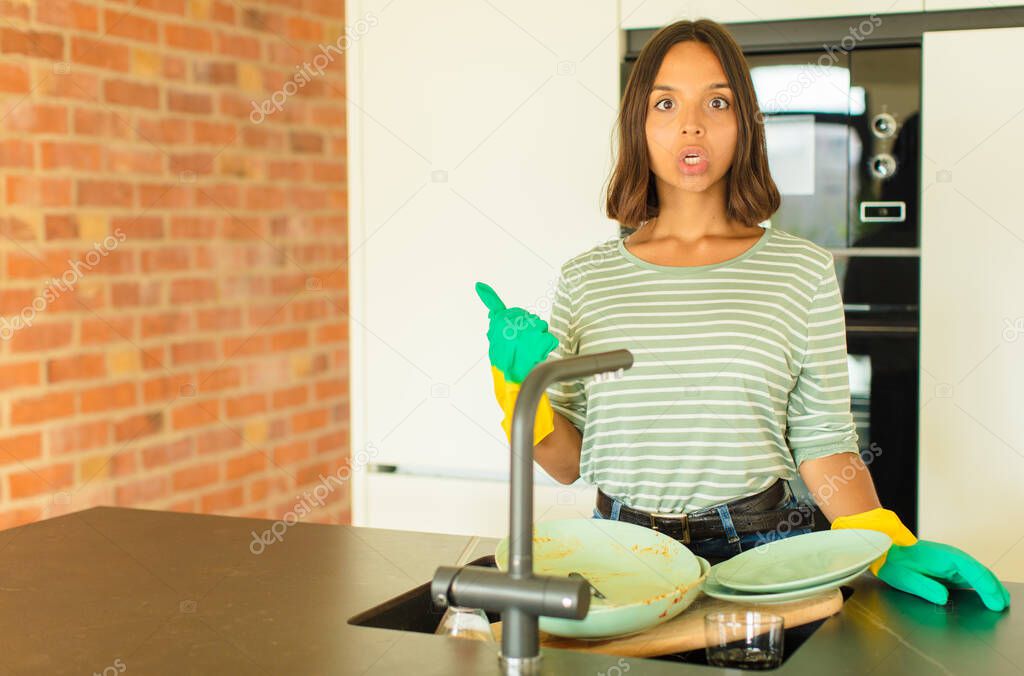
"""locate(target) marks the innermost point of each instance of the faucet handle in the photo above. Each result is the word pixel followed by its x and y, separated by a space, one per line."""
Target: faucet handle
pixel 490 589
pixel 594 590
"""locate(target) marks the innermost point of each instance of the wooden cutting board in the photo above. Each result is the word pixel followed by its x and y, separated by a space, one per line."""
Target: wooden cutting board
pixel 685 631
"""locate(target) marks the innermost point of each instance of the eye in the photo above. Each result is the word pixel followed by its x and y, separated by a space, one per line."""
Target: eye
pixel 661 102
pixel 721 98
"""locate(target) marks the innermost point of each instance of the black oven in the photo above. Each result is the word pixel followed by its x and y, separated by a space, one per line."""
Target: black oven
pixel 846 127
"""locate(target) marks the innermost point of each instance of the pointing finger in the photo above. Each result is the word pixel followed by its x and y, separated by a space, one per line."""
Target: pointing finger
pixel 489 297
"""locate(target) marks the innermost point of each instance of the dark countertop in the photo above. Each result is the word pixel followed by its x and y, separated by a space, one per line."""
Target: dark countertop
pixel 113 590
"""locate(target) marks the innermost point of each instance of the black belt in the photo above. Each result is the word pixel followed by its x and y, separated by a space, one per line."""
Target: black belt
pixel 752 514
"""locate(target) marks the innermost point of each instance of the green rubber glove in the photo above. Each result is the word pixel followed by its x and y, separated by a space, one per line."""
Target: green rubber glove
pixel 911 564
pixel 518 341
pixel 912 569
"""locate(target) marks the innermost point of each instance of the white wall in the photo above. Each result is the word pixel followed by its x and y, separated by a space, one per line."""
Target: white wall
pixel 481 139
pixel 972 253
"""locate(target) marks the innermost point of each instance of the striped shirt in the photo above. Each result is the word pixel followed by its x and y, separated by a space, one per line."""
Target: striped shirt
pixel 739 370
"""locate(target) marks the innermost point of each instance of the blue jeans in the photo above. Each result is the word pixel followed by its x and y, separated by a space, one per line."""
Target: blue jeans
pixel 732 543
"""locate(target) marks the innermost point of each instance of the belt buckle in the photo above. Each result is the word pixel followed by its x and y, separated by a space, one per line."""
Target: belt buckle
pixel 686 528
pixel 684 518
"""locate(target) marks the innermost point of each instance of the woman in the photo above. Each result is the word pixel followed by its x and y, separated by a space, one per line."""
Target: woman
pixel 737 331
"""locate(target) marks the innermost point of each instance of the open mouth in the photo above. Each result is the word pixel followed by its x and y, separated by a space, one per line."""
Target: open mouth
pixel 693 160
pixel 692 155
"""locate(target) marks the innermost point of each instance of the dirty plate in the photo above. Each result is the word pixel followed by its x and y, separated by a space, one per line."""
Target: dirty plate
pixel 647 577
pixel 802 561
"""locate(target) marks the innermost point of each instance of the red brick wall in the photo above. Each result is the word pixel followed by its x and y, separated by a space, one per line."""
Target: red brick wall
pixel 174 264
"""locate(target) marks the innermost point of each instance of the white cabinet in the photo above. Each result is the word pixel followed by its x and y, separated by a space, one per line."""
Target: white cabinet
pixel 480 139
pixel 465 506
pixel 658 13
pixel 941 5
pixel 972 308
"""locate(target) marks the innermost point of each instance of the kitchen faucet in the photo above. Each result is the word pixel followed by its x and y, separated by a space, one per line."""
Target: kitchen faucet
pixel 519 595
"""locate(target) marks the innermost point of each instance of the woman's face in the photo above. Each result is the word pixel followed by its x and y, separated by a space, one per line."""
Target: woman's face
pixel 690 105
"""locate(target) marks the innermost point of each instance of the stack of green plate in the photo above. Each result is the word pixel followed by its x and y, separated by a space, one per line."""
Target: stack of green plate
pixel 797 567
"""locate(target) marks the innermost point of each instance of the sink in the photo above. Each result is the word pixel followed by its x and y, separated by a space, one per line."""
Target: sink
pixel 414 610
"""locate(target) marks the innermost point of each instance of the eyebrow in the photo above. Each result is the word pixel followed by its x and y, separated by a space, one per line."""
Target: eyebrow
pixel 713 85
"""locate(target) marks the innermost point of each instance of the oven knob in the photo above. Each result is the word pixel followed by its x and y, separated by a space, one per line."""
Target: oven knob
pixel 883 165
pixel 883 125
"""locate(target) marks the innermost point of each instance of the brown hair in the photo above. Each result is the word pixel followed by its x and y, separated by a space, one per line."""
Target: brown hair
pixel 751 196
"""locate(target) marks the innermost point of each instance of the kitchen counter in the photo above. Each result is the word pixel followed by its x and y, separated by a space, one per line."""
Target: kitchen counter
pixel 114 590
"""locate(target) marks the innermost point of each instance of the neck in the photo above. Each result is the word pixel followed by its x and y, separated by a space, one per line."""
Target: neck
pixel 689 216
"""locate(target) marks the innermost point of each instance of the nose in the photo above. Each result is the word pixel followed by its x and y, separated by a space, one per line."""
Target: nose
pixel 690 122
pixel 691 128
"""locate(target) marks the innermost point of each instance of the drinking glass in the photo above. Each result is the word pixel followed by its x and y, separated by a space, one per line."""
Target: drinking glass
pixel 465 623
pixel 744 639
